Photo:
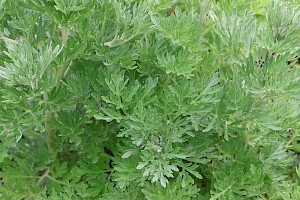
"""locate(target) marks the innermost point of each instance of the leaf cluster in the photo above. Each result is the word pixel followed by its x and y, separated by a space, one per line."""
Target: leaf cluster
pixel 155 100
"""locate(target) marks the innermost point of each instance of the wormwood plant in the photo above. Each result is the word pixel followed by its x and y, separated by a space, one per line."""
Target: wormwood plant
pixel 156 100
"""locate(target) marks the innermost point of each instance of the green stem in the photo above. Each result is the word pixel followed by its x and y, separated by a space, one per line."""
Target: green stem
pixel 103 25
pixel 49 129
pixel 64 36
pixel 223 192
pixel 55 180
pixel 112 45
pixel 21 176
pixel 62 72
pixel 44 175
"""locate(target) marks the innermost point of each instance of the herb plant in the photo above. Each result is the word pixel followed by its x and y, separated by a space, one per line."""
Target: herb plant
pixel 156 100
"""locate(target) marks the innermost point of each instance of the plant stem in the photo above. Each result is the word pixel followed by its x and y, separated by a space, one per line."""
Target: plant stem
pixel 55 180
pixel 61 72
pixel 49 129
pixel 44 175
pixel 64 36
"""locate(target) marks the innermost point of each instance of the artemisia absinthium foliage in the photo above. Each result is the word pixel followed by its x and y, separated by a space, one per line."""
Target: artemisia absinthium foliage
pixel 155 100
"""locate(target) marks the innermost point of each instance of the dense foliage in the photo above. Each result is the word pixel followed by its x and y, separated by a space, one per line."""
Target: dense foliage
pixel 156 100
